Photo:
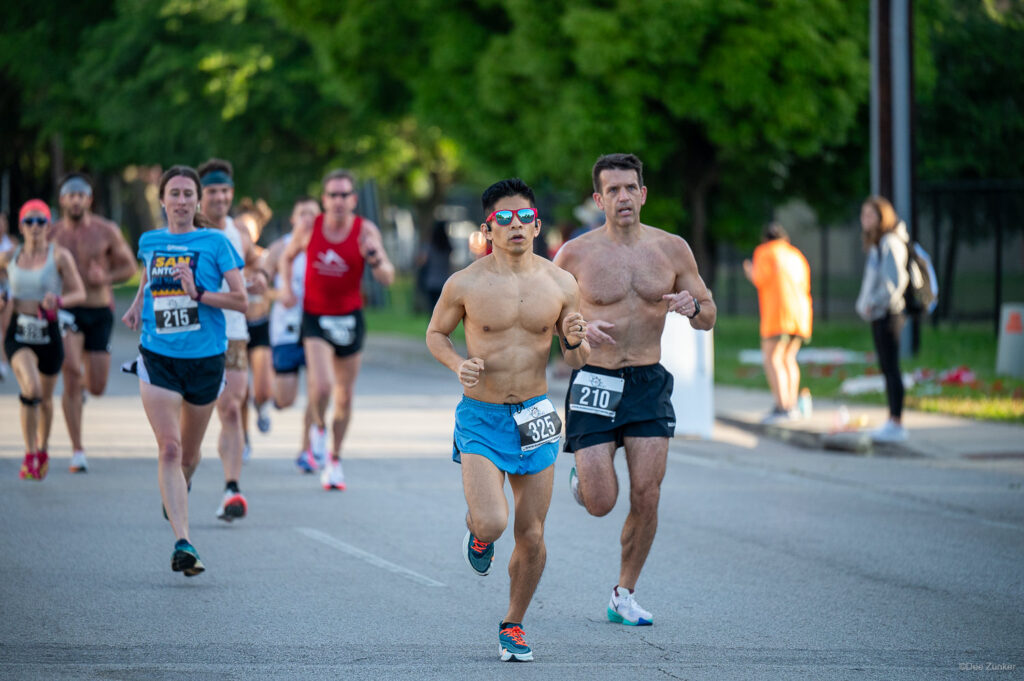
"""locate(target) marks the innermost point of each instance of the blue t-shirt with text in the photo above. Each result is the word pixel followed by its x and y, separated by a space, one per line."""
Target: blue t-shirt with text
pixel 173 324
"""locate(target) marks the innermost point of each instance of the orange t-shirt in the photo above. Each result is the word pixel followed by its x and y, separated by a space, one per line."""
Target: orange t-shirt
pixel 783 280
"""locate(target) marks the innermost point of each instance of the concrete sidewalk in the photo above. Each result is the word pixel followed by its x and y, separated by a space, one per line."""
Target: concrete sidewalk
pixel 936 436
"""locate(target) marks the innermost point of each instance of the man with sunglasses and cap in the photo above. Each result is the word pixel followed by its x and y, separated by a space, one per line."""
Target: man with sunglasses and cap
pixel 631 276
pixel 510 303
pixel 339 245
pixel 103 258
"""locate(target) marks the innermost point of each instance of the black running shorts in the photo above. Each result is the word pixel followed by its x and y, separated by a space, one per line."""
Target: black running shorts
pixel 43 339
pixel 198 380
pixel 259 334
pixel 345 333
pixel 95 323
pixel 609 405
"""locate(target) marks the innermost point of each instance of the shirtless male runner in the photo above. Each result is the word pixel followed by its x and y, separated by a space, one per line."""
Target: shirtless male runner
pixel 510 304
pixel 103 258
pixel 631 275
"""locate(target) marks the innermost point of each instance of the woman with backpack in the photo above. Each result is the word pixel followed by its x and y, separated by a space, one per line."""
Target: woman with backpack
pixel 881 301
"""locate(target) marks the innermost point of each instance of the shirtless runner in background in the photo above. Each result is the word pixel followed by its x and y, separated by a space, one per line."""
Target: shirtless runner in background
pixel 103 257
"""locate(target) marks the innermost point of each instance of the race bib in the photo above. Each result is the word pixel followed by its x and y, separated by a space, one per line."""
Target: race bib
pixel 291 323
pixel 66 321
pixel 176 314
pixel 595 394
pixel 31 330
pixel 174 311
pixel 538 425
pixel 339 330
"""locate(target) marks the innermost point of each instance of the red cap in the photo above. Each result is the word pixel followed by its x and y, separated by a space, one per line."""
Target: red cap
pixel 34 205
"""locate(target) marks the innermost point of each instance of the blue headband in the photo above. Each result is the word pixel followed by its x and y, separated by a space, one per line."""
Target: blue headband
pixel 216 177
pixel 76 185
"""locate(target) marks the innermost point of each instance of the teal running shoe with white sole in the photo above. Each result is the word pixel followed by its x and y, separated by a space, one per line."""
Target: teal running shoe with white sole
pixel 623 609
pixel 478 554
pixel 185 559
pixel 512 643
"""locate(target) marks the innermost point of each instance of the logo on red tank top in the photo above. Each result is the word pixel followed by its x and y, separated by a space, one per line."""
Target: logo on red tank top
pixel 330 264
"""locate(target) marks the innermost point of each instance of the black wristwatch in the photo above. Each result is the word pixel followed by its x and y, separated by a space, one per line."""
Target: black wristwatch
pixel 696 309
pixel 570 347
pixel 199 293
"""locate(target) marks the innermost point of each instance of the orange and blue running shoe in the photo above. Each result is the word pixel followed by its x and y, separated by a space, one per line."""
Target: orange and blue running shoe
pixel 478 554
pixel 512 643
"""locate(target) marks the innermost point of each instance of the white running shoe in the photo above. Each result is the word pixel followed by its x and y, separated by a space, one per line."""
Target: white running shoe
pixel 318 444
pixel 889 432
pixel 332 477
pixel 78 463
pixel 232 506
pixel 574 485
pixel 263 417
pixel 623 609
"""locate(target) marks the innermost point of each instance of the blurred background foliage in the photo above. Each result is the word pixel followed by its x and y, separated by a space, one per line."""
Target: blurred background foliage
pixel 734 105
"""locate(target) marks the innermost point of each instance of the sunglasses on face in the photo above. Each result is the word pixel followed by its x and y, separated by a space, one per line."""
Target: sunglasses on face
pixel 504 217
pixel 340 195
pixel 34 221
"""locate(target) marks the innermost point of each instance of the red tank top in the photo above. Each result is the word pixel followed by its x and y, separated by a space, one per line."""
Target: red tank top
pixel 334 272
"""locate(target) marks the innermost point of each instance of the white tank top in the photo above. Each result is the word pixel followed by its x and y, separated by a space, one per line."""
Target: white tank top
pixel 285 321
pixel 234 321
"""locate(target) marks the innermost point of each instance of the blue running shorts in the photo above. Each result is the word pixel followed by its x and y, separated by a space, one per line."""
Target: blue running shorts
pixel 491 430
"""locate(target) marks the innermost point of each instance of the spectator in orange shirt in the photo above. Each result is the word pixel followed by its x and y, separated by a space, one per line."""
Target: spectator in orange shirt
pixel 782 277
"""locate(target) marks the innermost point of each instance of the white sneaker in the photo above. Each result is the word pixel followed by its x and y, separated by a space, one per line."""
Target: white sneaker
pixel 332 477
pixel 318 444
pixel 574 485
pixel 890 432
pixel 232 507
pixel 624 609
pixel 78 463
pixel 263 417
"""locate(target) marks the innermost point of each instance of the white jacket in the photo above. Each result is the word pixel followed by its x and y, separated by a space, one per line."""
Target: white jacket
pixel 885 276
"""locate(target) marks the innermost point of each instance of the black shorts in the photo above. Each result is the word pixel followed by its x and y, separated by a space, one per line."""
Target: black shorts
pixel 345 333
pixel 95 323
pixel 259 333
pixel 644 409
pixel 49 354
pixel 199 380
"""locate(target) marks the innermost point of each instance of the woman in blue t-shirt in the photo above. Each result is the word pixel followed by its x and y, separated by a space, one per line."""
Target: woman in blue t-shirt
pixel 181 355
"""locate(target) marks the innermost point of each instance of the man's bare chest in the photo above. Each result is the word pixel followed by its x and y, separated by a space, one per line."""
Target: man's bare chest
pixel 85 243
pixel 605 279
pixel 534 311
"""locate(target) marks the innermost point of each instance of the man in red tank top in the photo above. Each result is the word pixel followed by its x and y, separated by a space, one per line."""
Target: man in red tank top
pixel 338 246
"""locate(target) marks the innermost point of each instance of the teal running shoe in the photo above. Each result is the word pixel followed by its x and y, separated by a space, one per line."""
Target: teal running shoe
pixel 512 643
pixel 478 554
pixel 186 559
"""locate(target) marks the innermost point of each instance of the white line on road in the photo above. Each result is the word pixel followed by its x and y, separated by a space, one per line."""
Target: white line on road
pixel 368 557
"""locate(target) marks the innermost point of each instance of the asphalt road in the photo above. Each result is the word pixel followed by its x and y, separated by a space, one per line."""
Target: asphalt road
pixel 770 561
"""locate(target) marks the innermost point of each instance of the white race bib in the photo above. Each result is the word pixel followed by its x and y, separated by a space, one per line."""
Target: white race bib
pixel 538 425
pixel 31 330
pixel 339 330
pixel 595 393
pixel 175 314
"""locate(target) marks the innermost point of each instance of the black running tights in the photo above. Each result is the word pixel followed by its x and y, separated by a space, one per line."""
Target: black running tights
pixel 886 333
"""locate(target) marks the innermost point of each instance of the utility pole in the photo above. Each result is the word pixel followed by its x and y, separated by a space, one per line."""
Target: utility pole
pixel 892 117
